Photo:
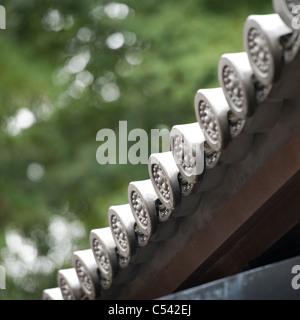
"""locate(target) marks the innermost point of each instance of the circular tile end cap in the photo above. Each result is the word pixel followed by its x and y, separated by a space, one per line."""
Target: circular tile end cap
pixel 211 108
pixel 164 173
pixel 235 76
pixel 103 247
pixel 87 272
pixel 122 223
pixel 262 35
pixel 142 198
pixel 187 145
pixel 288 11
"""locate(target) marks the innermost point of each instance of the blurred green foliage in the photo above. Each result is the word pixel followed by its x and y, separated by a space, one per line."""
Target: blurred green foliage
pixel 56 61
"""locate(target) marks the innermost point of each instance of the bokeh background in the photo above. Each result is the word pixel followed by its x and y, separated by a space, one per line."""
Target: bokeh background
pixel 70 68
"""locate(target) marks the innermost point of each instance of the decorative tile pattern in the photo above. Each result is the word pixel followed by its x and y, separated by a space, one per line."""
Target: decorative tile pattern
pixel 183 155
pixel 84 277
pixel 233 87
pixel 209 121
pixel 140 209
pixel 65 290
pixel 161 182
pixel 101 256
pixel 259 51
pixel 119 232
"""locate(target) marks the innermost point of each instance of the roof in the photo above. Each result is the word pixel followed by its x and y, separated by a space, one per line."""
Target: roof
pixel 221 170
